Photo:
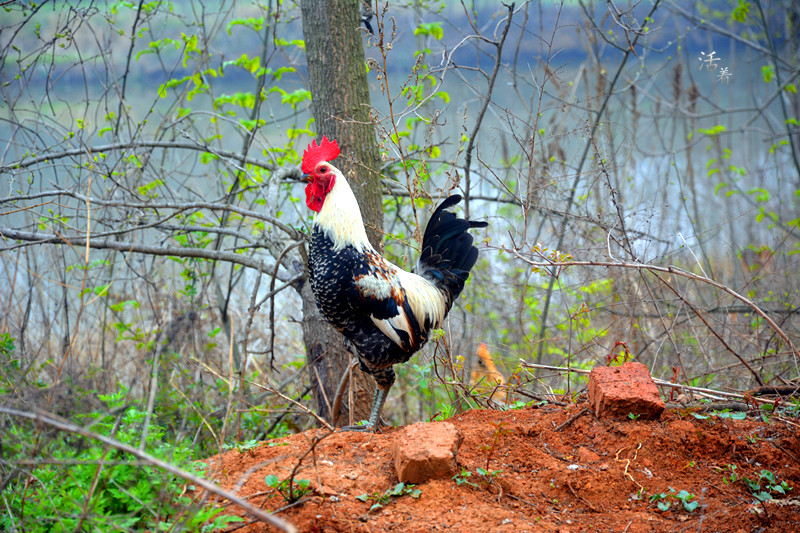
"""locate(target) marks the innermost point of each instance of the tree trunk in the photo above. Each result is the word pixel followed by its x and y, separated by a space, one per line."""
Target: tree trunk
pixel 340 103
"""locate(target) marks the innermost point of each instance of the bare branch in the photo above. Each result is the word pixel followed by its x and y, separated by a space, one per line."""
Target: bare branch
pixel 678 272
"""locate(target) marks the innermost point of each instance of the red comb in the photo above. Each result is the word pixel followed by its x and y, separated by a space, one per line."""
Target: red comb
pixel 325 151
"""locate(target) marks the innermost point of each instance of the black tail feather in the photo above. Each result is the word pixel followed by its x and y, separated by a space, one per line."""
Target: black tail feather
pixel 447 250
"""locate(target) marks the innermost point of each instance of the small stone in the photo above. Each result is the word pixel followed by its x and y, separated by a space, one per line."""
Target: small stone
pixel 426 451
pixel 586 455
pixel 620 391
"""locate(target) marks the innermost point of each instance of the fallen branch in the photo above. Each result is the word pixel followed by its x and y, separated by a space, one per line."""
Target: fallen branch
pixel 708 393
pixel 572 419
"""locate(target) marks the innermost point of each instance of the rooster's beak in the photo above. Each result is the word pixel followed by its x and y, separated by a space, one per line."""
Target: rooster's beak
pixel 306 178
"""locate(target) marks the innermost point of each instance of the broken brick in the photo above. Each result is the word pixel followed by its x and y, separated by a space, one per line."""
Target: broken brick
pixel 619 391
pixel 426 451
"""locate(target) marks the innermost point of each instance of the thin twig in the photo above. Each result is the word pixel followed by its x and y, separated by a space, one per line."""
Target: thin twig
pixel 678 272
pixel 572 419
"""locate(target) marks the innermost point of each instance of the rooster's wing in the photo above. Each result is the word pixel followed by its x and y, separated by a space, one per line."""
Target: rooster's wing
pixel 378 292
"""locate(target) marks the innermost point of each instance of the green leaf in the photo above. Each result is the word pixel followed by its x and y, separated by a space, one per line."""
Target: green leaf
pixel 294 98
pixel 294 42
pixel 101 290
pixel 740 12
pixel 206 158
pixel 762 195
pixel 711 132
pixel 434 29
pixel 255 24
pixel 768 72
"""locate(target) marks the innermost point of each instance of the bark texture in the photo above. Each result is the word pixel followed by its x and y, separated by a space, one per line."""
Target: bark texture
pixel 340 104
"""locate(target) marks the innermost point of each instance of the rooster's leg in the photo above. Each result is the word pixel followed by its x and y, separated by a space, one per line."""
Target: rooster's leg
pixel 384 381
pixel 375 415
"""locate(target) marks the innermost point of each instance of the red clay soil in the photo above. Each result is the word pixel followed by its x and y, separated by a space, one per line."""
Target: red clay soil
pixel 556 472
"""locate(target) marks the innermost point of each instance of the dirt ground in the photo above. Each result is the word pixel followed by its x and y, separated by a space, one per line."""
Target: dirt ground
pixel 553 471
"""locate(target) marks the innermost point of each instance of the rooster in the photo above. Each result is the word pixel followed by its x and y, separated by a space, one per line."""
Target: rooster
pixel 386 312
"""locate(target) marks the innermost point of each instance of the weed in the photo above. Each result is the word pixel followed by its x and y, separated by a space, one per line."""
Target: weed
pixel 770 486
pixel 242 447
pixel 86 486
pixel 633 416
pixel 7 346
pixel 291 489
pixel 498 432
pixel 384 498
pixel 447 411
pixel 519 404
pixel 791 409
pixel 463 478
pixel 725 413
pixel 490 475
pixel 662 500
pixel 734 477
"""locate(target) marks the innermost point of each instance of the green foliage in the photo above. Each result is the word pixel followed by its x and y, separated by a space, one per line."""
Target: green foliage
pixel 768 73
pixel 253 23
pixel 766 486
pixel 7 346
pixel 732 477
pixel 487 477
pixel 725 413
pixel 432 29
pixel 463 478
pixel 290 488
pixel 740 12
pixel 499 432
pixel 662 500
pixel 384 498
pixel 792 408
pixel 83 485
pixel 243 447
pixel 488 474
pixel 714 131
pixel 447 411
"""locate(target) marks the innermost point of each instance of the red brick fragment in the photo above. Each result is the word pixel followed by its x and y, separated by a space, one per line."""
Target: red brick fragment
pixel 426 451
pixel 619 391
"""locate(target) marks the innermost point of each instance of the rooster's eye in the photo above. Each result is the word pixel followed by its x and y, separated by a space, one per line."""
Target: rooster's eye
pixel 323 169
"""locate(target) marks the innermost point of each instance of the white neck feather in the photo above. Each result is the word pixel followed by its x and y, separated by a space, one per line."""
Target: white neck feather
pixel 340 217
